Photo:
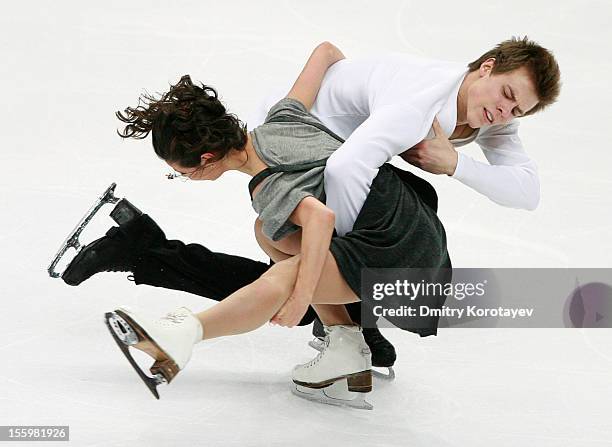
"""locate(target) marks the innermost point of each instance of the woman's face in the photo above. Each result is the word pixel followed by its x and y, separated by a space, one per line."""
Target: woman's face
pixel 206 171
pixel 498 98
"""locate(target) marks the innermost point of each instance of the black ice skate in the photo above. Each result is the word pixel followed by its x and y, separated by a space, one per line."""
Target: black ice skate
pixel 72 241
pixel 383 352
pixel 110 253
pixel 105 254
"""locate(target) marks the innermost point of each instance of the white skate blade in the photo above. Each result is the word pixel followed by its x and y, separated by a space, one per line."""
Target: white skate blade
pixel 389 376
pixel 318 344
pixel 335 394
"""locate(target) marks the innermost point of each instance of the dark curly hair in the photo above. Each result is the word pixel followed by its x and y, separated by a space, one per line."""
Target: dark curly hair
pixel 185 122
pixel 540 62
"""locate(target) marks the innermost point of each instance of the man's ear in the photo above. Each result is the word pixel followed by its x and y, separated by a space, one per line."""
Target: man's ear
pixel 487 66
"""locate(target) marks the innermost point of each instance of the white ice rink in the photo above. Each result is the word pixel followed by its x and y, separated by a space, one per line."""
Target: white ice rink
pixel 66 67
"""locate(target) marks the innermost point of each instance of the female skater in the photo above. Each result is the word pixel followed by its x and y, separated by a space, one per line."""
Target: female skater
pixel 286 157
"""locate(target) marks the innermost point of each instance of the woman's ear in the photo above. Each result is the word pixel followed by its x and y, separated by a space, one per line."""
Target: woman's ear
pixel 205 157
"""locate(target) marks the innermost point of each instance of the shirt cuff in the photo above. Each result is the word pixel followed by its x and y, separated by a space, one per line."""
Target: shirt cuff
pixel 461 170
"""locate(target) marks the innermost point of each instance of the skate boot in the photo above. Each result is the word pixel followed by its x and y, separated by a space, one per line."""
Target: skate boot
pixel 383 352
pixel 169 340
pixel 341 373
pixel 114 252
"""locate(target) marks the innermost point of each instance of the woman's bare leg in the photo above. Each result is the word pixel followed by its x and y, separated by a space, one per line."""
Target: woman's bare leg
pixel 278 250
pixel 332 314
pixel 291 245
pixel 254 305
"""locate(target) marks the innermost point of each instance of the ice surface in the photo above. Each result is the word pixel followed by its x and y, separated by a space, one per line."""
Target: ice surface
pixel 68 66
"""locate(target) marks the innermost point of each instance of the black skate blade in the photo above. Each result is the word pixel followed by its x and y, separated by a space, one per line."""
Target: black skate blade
pixel 148 381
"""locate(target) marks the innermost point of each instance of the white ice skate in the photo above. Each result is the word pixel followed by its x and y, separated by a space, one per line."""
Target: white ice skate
pixel 318 343
pixel 169 340
pixel 341 373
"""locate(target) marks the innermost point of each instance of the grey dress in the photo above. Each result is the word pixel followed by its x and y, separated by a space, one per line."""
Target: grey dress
pixel 396 228
pixel 290 136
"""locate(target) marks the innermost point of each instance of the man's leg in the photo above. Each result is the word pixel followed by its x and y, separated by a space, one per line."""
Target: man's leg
pixel 195 269
pixel 140 246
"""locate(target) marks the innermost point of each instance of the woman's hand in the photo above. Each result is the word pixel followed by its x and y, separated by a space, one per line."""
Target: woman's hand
pixel 293 310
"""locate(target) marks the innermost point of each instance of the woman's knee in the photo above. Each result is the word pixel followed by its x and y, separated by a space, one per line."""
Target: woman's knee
pixel 288 246
pixel 282 275
pixel 257 227
pixel 265 243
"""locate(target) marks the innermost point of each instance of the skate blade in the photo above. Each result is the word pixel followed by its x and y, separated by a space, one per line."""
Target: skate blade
pixel 126 335
pixel 336 394
pixel 318 344
pixel 72 241
pixel 164 365
pixel 388 377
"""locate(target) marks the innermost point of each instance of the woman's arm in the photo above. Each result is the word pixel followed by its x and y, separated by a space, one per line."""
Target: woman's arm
pixel 308 83
pixel 317 222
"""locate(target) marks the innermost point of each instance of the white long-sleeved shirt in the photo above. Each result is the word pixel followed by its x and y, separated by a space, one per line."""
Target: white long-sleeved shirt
pixel 384 105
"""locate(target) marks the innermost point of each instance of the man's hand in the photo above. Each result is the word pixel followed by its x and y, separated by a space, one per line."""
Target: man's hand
pixel 293 310
pixel 437 155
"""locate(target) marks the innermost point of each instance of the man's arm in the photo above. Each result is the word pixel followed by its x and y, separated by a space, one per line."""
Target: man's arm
pixel 516 186
pixel 308 83
pixel 352 168
pixel 511 179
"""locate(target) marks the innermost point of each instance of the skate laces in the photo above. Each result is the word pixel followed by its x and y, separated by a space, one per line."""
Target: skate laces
pixel 320 355
pixel 174 317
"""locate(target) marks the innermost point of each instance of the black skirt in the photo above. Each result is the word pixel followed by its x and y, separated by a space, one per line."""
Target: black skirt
pixel 397 228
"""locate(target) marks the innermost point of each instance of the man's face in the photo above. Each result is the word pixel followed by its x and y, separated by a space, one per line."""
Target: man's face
pixel 498 98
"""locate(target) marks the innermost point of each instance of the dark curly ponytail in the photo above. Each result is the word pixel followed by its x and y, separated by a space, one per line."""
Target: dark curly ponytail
pixel 185 122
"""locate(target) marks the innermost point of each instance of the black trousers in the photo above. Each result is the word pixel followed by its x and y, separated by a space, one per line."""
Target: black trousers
pixel 195 269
